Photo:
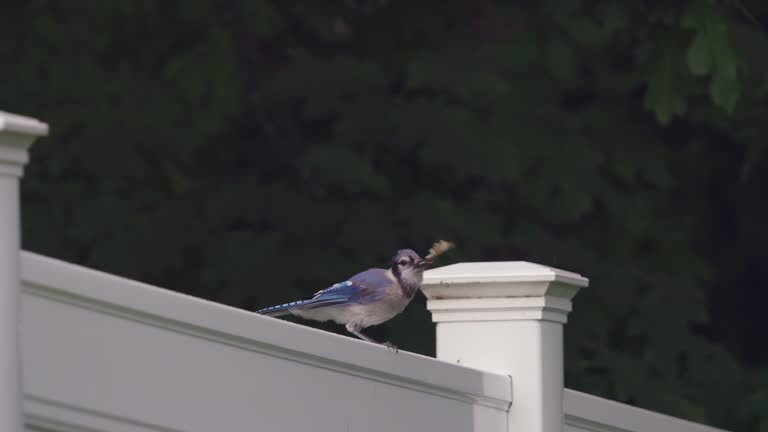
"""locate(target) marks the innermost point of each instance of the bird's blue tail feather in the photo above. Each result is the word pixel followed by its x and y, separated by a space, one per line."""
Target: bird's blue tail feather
pixel 282 309
pixel 338 294
pixel 285 309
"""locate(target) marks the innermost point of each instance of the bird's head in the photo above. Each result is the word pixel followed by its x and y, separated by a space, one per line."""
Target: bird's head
pixel 409 267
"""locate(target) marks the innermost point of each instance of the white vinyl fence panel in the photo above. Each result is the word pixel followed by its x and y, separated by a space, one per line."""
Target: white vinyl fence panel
pixel 104 353
pixel 109 354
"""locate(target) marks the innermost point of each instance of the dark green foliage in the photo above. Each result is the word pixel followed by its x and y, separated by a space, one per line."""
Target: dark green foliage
pixel 252 152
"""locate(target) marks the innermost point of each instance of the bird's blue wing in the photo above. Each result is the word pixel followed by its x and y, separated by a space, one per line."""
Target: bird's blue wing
pixel 364 287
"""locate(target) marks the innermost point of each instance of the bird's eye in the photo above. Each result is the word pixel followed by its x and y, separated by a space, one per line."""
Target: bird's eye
pixel 402 262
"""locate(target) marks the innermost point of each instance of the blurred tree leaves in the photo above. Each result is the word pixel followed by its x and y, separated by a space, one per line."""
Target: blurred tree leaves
pixel 254 151
pixel 710 53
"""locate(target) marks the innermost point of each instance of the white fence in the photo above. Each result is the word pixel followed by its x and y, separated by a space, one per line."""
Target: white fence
pixel 104 353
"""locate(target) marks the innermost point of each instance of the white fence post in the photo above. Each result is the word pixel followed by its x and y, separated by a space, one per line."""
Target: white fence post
pixel 507 317
pixel 16 135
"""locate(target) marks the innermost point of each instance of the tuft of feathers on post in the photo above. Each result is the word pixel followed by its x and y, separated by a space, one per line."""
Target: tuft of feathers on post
pixel 438 248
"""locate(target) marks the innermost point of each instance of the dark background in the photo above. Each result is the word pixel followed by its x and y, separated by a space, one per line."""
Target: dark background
pixel 252 152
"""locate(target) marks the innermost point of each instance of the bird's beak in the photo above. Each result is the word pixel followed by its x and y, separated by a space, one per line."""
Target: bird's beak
pixel 424 263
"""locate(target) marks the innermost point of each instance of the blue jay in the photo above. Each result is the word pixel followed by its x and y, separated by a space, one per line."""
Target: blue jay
pixel 366 299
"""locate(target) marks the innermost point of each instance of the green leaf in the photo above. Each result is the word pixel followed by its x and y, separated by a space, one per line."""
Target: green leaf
pixel 711 53
pixel 699 56
pixel 664 95
pixel 725 91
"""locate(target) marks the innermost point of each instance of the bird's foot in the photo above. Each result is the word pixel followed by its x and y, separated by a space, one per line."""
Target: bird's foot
pixel 391 346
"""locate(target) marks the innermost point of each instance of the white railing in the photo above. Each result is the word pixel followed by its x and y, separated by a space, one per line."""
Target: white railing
pixel 104 353
pixel 587 413
pixel 107 353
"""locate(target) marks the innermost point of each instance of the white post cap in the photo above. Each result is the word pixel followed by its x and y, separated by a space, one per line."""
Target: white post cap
pixel 17 133
pixel 507 317
pixel 493 291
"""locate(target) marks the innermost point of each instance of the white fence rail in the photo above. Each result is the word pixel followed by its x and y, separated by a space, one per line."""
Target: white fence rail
pixel 587 413
pixel 106 353
pixel 101 353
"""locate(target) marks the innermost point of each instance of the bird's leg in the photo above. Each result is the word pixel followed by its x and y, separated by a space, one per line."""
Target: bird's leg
pixel 390 345
pixel 355 330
